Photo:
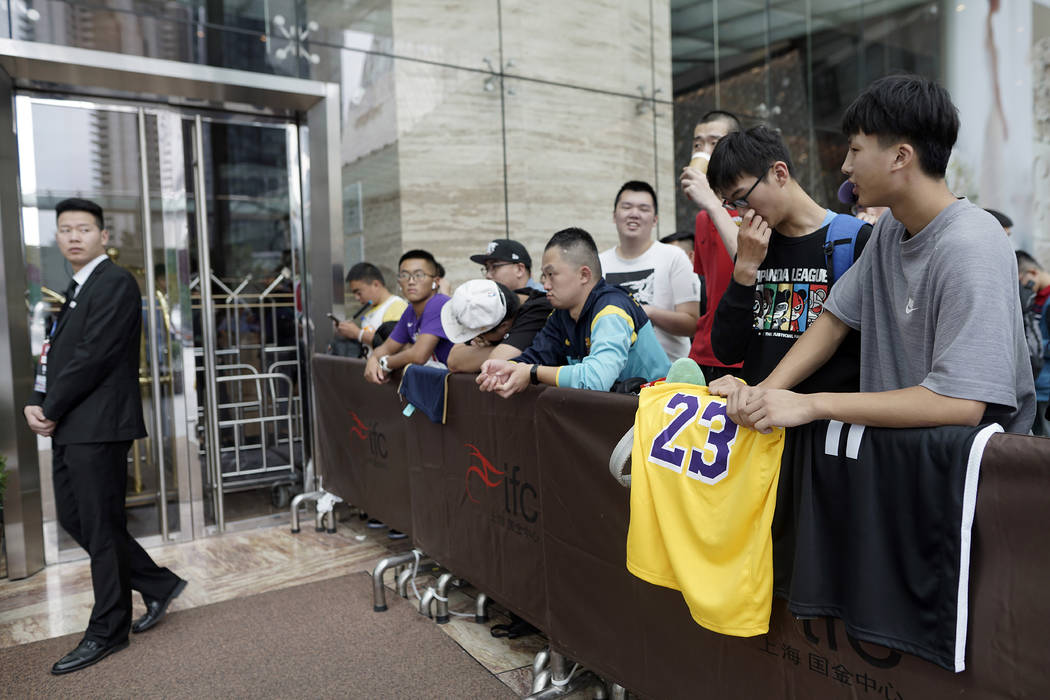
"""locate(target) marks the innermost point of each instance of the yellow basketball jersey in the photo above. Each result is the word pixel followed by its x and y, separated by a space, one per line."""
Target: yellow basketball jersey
pixel 703 492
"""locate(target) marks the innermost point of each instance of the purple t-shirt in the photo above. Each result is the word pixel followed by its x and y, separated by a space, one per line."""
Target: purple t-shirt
pixel 410 326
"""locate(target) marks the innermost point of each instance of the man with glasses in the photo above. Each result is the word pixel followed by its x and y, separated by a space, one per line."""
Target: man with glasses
pixel 418 337
pixel 507 262
pixel 783 272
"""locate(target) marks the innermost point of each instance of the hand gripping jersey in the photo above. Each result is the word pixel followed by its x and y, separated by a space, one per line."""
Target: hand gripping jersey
pixel 703 492
pixel 883 531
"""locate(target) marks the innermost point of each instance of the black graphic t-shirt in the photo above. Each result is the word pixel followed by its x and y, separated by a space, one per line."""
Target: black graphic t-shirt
pixel 758 324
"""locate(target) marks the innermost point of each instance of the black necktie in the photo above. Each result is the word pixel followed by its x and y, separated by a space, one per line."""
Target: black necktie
pixel 70 291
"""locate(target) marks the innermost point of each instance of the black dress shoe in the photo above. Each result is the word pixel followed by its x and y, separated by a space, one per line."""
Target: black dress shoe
pixel 88 652
pixel 155 609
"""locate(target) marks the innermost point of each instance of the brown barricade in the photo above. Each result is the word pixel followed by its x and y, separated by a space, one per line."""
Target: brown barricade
pixel 643 637
pixel 476 495
pixel 516 497
pixel 363 440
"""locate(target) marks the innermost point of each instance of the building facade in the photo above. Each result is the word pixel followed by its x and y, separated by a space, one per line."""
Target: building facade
pixel 248 153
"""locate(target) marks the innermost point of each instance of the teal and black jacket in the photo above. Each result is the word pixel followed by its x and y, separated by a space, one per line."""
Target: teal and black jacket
pixel 613 339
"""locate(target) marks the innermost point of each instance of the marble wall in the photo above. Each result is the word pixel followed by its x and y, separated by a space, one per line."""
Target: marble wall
pixel 450 164
pixel 506 119
pixel 1041 145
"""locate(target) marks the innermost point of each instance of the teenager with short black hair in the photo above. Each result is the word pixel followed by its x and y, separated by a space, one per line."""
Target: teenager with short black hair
pixel 369 288
pixel 933 296
pixel 782 273
pixel 418 337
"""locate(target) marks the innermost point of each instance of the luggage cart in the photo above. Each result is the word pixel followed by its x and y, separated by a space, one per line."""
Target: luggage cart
pixel 259 411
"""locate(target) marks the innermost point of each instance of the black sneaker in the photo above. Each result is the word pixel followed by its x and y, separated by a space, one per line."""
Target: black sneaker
pixel 375 524
pixel 396 535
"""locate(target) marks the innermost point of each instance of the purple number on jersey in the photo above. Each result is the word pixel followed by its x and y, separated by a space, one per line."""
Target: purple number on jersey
pixel 659 453
pixel 719 443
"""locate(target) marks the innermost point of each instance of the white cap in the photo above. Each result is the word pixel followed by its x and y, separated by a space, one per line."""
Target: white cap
pixel 476 307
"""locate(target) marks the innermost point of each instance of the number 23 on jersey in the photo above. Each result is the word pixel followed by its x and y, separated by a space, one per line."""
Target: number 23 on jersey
pixel 710 462
pixel 699 438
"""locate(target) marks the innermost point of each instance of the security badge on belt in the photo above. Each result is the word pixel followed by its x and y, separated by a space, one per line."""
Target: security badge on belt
pixel 41 369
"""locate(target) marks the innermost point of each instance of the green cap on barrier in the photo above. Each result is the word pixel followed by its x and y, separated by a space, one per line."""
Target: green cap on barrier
pixel 684 370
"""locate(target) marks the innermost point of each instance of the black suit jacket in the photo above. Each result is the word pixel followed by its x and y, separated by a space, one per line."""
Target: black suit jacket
pixel 93 364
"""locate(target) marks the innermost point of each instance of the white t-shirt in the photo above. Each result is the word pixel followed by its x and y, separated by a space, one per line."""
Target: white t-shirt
pixel 389 310
pixel 662 277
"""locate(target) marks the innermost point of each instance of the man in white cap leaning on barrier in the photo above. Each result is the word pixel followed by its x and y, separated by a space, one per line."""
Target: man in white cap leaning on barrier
pixel 487 320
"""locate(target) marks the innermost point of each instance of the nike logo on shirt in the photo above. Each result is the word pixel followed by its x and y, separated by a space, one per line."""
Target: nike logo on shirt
pixel 910 307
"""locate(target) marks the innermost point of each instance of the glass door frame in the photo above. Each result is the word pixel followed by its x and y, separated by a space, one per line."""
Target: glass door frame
pixel 177 191
pixel 157 444
pixel 213 453
pixel 27 64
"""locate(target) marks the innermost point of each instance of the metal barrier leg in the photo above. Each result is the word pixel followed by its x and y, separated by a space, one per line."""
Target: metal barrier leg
pixel 425 601
pixel 402 582
pixel 331 522
pixel 319 522
pixel 378 592
pixel 296 502
pixel 405 577
pixel 618 692
pixel 540 661
pixel 540 682
pixel 444 583
pixel 481 609
pixel 558 666
pixel 560 684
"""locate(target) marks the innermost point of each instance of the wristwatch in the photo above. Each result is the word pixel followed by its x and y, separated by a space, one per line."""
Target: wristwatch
pixel 533 376
pixel 383 364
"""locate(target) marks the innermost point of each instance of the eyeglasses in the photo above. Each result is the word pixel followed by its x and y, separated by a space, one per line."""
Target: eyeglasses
pixel 492 267
pixel 83 229
pixel 418 276
pixel 741 204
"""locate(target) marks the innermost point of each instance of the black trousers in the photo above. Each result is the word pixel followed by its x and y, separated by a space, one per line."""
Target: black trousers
pixel 90 481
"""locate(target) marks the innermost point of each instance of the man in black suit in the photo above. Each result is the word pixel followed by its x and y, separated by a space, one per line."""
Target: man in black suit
pixel 86 399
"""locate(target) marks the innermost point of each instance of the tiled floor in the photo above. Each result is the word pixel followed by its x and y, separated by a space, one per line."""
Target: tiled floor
pixel 57 601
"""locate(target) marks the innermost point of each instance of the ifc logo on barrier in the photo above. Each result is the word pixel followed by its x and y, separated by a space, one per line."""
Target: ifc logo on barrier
pixel 376 440
pixel 514 489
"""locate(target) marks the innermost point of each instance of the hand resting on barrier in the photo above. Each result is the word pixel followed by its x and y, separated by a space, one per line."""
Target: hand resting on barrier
pixel 503 377
pixel 374 373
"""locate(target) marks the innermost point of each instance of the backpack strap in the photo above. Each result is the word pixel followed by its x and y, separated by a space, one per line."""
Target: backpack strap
pixel 1044 327
pixel 839 244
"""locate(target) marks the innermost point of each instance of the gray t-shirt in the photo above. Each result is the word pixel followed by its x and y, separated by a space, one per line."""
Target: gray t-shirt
pixel 941 310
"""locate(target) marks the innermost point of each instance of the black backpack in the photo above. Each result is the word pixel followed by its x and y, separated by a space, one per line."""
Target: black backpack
pixel 345 347
pixel 1033 334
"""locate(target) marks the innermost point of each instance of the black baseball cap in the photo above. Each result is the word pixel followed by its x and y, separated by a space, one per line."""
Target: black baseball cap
pixel 1004 220
pixel 678 236
pixel 505 250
